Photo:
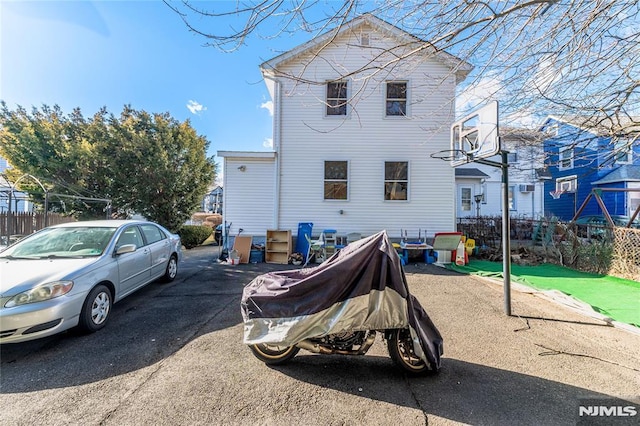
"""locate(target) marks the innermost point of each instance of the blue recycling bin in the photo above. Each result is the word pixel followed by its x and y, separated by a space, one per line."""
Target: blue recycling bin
pixel 302 243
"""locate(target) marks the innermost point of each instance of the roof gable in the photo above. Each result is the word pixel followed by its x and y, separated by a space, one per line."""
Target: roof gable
pixel 598 126
pixel 317 44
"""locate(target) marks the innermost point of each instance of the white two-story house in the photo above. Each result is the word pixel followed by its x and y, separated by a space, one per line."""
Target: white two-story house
pixel 357 113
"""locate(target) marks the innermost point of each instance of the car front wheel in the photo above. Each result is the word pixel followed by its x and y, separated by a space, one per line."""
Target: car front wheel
pixel 172 269
pixel 96 309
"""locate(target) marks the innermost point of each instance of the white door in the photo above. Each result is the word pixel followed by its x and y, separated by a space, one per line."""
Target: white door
pixel 134 268
pixel 465 200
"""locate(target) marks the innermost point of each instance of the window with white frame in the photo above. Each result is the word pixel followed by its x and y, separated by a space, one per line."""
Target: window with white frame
pixel 465 199
pixel 396 180
pixel 337 98
pixel 336 180
pixel 566 159
pixel 634 201
pixel 622 152
pixel 567 183
pixel 396 99
pixel 512 198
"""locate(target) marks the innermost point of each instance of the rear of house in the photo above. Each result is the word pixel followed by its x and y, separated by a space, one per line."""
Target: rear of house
pixel 354 127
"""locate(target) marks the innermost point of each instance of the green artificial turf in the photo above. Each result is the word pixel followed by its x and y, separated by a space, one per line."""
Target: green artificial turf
pixel 617 298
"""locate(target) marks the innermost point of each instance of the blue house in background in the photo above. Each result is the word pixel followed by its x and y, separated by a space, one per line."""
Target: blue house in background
pixel 580 158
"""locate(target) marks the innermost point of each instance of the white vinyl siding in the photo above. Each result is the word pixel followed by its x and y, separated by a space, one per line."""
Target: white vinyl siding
pixel 250 205
pixel 366 142
pixel 304 139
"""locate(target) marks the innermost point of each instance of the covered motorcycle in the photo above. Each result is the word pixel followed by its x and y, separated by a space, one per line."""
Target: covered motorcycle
pixel 337 308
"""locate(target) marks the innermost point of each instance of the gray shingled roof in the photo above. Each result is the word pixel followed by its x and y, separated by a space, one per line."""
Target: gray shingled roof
pixel 626 173
pixel 470 172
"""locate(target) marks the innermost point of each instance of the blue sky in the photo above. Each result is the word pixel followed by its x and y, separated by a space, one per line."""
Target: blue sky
pixel 90 54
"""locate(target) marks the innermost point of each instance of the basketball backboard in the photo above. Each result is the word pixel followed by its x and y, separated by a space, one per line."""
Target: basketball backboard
pixel 475 135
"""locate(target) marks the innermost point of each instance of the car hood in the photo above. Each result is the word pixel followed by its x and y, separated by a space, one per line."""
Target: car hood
pixel 21 274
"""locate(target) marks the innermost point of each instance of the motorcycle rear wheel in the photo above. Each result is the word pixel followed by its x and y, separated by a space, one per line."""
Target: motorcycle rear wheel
pixel 273 354
pixel 401 352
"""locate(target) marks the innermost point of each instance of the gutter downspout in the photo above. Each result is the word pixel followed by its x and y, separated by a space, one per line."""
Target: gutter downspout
pixel 277 129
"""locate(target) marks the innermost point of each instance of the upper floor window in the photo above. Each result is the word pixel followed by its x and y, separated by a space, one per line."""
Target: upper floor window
pixel 396 180
pixel 566 159
pixel 512 157
pixel 552 129
pixel 396 100
pixel 622 152
pixel 337 98
pixel 336 181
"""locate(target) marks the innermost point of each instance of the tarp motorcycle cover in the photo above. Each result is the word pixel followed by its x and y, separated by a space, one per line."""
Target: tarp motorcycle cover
pixel 362 287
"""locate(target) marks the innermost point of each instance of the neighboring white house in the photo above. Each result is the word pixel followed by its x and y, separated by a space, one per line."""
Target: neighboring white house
pixel 19 200
pixel 357 113
pixel 483 183
pixel 212 201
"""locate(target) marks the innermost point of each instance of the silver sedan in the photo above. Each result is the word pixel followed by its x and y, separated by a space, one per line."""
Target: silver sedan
pixel 70 275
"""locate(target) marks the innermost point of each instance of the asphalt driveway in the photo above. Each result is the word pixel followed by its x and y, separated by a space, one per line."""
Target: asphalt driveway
pixel 173 355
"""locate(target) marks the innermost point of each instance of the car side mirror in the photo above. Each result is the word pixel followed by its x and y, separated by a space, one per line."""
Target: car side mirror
pixel 126 248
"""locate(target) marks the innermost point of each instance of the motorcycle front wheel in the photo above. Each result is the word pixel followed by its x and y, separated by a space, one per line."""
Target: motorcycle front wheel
pixel 401 352
pixel 273 354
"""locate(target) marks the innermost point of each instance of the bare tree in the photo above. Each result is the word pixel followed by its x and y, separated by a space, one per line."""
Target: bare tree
pixel 576 60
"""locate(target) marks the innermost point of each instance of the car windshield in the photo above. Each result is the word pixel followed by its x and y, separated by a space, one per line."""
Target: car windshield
pixel 64 242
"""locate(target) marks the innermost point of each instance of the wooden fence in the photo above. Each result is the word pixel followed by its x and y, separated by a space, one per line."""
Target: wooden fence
pixel 19 224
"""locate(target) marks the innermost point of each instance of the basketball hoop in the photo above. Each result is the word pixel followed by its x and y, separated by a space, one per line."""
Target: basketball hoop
pixel 452 154
pixel 475 135
pixel 557 193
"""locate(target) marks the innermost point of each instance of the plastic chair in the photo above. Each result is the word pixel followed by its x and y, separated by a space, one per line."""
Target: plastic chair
pixel 353 236
pixel 315 246
pixel 331 241
pixel 470 246
pixel 302 244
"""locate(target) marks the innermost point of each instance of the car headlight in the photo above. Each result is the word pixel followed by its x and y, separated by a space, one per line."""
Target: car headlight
pixel 41 293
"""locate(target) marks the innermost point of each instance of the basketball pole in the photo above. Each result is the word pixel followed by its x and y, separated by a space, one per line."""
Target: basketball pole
pixel 467 128
pixel 506 226
pixel 506 234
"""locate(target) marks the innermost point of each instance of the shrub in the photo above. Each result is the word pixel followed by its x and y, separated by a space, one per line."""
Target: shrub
pixel 194 235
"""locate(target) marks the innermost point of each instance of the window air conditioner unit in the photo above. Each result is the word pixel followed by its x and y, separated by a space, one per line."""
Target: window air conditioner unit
pixel 527 188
